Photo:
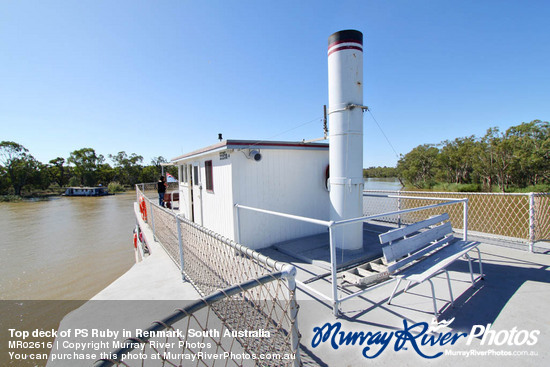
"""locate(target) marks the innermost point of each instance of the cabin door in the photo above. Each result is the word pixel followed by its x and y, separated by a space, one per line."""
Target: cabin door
pixel 189 199
pixel 197 194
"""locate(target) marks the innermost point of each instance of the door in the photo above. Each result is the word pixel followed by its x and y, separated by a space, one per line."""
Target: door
pixel 197 194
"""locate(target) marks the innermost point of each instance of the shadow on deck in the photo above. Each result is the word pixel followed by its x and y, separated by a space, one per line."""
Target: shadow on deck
pixel 316 249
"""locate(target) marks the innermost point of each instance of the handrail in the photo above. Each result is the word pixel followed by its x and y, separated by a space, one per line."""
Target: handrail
pixel 285 215
pixel 180 314
pixel 331 224
pixel 361 219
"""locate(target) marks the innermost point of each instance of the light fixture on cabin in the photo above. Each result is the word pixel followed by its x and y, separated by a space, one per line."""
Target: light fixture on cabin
pixel 255 154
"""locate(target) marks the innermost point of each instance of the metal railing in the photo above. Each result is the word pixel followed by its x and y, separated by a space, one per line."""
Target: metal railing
pixel 264 298
pixel 513 217
pixel 335 298
pixel 207 314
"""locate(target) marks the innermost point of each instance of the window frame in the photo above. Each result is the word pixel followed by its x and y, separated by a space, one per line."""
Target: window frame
pixel 209 175
pixel 196 175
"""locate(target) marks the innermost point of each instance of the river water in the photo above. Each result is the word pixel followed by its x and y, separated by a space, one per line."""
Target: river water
pixel 67 248
pixel 54 255
pixel 389 183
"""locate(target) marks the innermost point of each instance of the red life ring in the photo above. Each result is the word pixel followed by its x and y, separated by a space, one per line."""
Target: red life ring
pixel 143 208
pixel 135 240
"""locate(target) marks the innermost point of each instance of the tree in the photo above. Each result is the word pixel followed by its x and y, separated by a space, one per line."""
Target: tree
pixel 57 172
pixel 380 172
pixel 530 143
pixel 19 166
pixel 105 173
pixel 418 167
pixel 86 162
pixel 149 174
pixel 127 167
pixel 456 159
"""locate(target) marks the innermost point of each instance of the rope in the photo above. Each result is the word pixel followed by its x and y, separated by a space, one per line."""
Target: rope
pixel 383 133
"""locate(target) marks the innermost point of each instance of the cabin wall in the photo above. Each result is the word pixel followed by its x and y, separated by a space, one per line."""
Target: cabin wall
pixel 285 180
pixel 217 204
pixel 213 209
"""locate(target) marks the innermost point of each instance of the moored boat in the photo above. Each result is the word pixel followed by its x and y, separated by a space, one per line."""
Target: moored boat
pixel 87 191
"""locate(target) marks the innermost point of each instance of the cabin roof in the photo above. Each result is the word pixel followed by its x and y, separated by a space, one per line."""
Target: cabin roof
pixel 250 144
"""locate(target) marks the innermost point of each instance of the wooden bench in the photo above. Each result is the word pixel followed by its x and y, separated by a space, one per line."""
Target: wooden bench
pixel 422 250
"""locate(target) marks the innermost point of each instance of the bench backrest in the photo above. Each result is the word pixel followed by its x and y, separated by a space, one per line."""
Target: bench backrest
pixel 415 240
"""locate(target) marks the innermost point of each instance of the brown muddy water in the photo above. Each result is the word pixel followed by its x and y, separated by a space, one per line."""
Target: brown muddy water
pixel 57 253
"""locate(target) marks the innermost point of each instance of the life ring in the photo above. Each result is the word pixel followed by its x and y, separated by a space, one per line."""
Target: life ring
pixel 135 240
pixel 143 208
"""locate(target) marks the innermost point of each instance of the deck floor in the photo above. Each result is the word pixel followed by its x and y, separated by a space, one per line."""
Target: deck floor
pixel 316 249
pixel 514 295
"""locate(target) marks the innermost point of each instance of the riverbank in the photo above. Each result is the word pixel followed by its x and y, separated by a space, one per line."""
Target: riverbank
pixel 46 194
pixel 40 195
pixel 453 187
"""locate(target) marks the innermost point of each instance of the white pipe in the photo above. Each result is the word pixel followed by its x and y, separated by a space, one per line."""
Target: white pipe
pixel 291 216
pixel 345 84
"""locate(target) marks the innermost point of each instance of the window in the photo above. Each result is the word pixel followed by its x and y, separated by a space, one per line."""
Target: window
pixel 208 173
pixel 184 170
pixel 180 174
pixel 196 175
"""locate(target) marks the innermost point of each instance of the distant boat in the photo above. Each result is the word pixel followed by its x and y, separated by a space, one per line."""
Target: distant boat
pixel 87 191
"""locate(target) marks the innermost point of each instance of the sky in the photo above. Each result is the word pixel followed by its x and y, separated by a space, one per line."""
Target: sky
pixel 163 78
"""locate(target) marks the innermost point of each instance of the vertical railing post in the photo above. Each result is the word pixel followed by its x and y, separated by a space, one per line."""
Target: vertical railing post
pixel 398 209
pixel 238 224
pixel 180 242
pixel 293 314
pixel 531 221
pixel 465 219
pixel 335 306
pixel 152 218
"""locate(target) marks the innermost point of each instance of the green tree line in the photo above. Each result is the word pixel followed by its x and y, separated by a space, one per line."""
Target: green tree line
pixel 517 158
pixel 380 172
pixel 21 173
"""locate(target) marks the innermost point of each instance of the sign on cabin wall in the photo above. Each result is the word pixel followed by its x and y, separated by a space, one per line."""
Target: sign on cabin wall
pixel 224 155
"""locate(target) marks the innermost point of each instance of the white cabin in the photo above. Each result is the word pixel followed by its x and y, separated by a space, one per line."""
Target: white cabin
pixel 288 177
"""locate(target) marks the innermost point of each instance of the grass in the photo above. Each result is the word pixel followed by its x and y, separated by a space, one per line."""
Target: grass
pixel 10 198
pixel 114 187
pixel 453 187
pixel 504 215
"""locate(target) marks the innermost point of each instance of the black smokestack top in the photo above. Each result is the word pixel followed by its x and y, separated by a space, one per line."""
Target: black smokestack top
pixel 349 35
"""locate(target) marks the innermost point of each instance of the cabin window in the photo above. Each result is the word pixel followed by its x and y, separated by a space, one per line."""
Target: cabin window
pixel 196 175
pixel 209 177
pixel 180 173
pixel 183 174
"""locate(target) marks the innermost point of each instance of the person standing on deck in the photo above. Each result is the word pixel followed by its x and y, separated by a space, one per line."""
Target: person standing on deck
pixel 161 188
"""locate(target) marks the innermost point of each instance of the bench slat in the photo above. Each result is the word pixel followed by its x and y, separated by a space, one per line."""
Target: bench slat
pixel 404 231
pixel 417 255
pixel 410 245
pixel 433 264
